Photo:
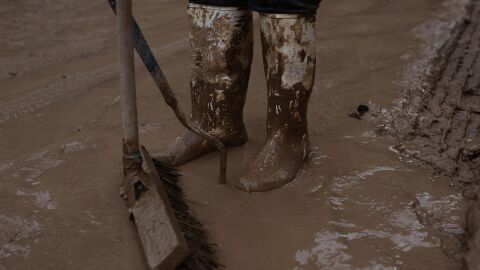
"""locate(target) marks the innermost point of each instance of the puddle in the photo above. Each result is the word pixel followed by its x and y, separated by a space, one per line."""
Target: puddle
pixel 375 225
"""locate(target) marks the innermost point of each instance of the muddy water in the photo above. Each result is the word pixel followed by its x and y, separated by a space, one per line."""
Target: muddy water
pixel 437 121
pixel 355 205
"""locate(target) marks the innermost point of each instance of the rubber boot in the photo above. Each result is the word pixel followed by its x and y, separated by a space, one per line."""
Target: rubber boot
pixel 288 43
pixel 221 43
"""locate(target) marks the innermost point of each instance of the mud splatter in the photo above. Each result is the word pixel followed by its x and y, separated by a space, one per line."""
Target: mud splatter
pixel 13 231
pixel 92 218
pixel 221 41
pixel 42 199
pixel 6 166
pixel 41 163
pixel 72 147
pixel 149 127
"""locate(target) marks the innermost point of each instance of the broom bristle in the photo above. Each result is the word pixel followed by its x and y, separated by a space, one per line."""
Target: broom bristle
pixel 202 252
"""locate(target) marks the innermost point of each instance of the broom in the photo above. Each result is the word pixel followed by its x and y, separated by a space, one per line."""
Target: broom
pixel 170 234
pixel 145 53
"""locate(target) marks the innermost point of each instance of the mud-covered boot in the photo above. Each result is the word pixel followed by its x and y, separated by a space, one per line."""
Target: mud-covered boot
pixel 221 44
pixel 288 43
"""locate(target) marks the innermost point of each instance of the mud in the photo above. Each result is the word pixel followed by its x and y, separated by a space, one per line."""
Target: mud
pixel 439 121
pixel 221 43
pixel 289 58
pixel 355 204
pixel 442 117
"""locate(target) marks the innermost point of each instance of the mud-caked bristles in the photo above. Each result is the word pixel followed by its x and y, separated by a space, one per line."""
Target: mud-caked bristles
pixel 202 252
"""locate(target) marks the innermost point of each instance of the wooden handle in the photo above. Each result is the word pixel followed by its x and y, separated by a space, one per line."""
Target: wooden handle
pixel 128 97
pixel 145 53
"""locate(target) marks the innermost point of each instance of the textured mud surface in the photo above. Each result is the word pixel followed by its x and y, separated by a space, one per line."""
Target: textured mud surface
pixel 438 121
pixel 355 204
pixel 441 118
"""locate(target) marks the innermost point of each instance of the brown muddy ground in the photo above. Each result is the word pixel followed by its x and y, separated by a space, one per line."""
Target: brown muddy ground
pixel 355 205
pixel 438 122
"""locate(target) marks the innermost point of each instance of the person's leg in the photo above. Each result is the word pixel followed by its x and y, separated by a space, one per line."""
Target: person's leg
pixel 220 3
pixel 288 42
pixel 284 6
pixel 221 44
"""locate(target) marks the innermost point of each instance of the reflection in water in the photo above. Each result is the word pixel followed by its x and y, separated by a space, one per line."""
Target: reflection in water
pixel 327 251
pixel 345 183
pixel 373 217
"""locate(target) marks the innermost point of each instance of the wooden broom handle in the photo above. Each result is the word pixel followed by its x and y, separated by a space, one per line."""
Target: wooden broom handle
pixel 126 68
pixel 155 71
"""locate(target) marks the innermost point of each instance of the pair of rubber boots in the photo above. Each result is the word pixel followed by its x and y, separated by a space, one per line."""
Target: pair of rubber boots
pixel 221 40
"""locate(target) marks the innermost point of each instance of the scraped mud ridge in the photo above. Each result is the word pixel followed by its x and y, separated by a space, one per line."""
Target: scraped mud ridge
pixel 439 122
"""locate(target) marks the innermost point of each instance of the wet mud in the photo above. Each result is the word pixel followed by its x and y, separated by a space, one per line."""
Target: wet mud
pixel 289 57
pixel 438 122
pixel 356 203
pixel 221 45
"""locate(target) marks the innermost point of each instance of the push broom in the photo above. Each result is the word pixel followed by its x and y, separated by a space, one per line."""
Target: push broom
pixel 171 237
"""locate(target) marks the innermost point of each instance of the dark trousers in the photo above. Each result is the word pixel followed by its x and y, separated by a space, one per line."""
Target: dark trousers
pixel 267 6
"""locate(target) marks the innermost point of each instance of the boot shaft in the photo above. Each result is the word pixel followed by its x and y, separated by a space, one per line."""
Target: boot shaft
pixel 288 45
pixel 221 42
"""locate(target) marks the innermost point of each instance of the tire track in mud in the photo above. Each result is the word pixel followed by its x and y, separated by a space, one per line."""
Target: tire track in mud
pixel 439 122
pixel 70 86
pixel 28 62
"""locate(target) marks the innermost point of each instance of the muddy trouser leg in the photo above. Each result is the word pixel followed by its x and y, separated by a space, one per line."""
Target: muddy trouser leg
pixel 284 6
pixel 267 6
pixel 288 43
pixel 221 44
